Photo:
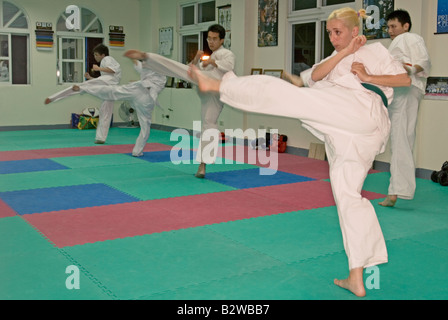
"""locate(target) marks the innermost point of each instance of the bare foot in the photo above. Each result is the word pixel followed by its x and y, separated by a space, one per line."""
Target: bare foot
pixel 76 88
pixel 135 54
pixel 389 201
pixel 47 101
pixel 354 283
pixel 205 83
pixel 201 171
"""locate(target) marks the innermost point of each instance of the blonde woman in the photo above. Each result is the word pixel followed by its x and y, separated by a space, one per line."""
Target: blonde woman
pixel 345 107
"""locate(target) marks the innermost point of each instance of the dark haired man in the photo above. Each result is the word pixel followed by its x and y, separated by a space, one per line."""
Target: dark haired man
pixel 410 50
pixel 219 63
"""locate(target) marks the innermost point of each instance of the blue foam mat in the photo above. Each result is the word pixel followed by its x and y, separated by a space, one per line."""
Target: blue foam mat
pixel 169 156
pixel 20 166
pixel 63 198
pixel 253 178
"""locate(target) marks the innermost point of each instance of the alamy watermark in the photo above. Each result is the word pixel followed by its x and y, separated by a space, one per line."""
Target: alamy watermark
pixel 73 21
pixel 209 148
pixel 373 280
pixel 73 280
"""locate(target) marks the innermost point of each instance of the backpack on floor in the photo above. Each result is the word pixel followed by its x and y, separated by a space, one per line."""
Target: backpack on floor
pixel 441 176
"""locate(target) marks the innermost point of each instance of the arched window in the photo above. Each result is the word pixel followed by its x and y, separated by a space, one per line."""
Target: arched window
pixel 14 44
pixel 75 56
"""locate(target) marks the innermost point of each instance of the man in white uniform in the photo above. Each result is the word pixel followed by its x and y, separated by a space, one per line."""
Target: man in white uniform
pixel 349 115
pixel 220 62
pixel 410 50
pixel 110 75
pixel 142 94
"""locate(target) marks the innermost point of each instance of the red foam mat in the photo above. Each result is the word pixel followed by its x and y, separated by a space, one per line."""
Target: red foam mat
pixel 6 211
pixel 305 195
pixel 88 225
pixel 76 152
pixel 309 167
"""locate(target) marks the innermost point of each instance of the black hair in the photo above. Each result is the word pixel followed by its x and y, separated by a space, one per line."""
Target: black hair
pixel 402 16
pixel 217 28
pixel 101 49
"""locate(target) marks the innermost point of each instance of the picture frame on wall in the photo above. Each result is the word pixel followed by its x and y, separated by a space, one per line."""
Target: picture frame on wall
pixel 225 20
pixel 267 23
pixel 442 16
pixel 437 88
pixel 375 26
pixel 256 71
pixel 278 73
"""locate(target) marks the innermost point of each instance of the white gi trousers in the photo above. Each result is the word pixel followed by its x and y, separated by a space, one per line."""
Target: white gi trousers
pixel 342 118
pixel 141 98
pixel 106 109
pixel 211 106
pixel 403 113
pixel 106 112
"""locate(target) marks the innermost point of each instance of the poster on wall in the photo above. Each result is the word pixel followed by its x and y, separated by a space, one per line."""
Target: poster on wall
pixel 44 36
pixel 116 37
pixel 267 23
pixel 225 20
pixel 375 26
pixel 165 41
pixel 437 88
pixel 442 16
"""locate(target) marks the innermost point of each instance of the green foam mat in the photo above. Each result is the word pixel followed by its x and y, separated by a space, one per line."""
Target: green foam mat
pixel 219 166
pixel 97 161
pixel 70 138
pixel 34 269
pixel 42 179
pixel 415 271
pixel 147 265
pixel 289 237
pixel 377 182
pixel 45 139
pixel 437 239
pixel 168 187
pixel 406 219
pixel 127 172
pixel 284 282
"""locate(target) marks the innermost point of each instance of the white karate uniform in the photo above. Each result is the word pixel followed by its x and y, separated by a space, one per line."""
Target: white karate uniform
pixel 211 106
pixel 107 107
pixel 143 96
pixel 407 48
pixel 353 123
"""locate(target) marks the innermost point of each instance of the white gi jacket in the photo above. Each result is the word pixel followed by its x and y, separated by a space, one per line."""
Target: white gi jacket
pixel 410 48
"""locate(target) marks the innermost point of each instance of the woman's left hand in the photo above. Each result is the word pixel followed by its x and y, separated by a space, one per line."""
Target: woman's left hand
pixel 359 70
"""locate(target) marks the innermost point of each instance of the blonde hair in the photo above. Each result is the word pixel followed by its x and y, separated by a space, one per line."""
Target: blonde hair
pixel 349 16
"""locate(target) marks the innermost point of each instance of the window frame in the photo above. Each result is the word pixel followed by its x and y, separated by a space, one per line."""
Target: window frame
pixel 7 58
pixel 61 59
pixel 9 32
pixel 316 15
pixel 198 28
pixel 79 35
